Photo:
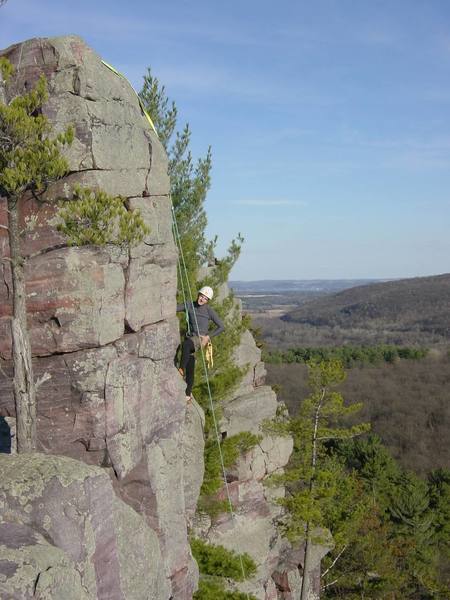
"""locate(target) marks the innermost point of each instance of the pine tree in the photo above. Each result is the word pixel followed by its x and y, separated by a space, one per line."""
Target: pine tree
pixel 189 180
pixel 93 217
pixel 312 478
pixel 414 529
pixel 402 544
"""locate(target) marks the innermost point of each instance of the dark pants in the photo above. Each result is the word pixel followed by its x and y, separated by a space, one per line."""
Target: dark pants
pixel 188 348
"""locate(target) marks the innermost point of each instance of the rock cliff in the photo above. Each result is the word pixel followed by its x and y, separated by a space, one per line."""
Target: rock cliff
pixel 102 321
pixel 103 510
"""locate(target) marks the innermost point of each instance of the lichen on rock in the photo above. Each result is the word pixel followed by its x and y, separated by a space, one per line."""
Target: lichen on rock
pixel 69 530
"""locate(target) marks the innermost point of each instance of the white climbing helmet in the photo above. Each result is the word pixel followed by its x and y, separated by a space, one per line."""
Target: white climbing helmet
pixel 206 291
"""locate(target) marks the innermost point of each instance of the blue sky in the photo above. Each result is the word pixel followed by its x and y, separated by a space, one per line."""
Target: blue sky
pixel 328 120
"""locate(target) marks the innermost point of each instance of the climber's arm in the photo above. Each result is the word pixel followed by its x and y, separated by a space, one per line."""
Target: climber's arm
pixel 220 327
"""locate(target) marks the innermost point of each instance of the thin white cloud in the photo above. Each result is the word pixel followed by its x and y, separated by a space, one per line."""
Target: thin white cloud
pixel 213 81
pixel 28 14
pixel 231 82
pixel 339 32
pixel 381 36
pixel 101 24
pixel 269 202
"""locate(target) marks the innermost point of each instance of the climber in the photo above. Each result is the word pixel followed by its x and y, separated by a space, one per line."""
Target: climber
pixel 198 335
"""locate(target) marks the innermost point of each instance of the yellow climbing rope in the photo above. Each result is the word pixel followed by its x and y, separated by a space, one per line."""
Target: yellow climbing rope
pixel 141 104
pixel 209 355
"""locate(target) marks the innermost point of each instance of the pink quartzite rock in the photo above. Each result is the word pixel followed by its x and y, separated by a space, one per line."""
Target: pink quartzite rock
pixel 82 298
pixel 93 541
pixel 31 567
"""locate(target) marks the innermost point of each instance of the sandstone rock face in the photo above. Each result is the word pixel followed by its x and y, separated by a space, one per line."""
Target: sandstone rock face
pixel 65 534
pixel 193 458
pixel 103 328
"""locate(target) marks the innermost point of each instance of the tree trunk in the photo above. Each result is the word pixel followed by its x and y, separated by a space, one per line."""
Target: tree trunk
pixel 306 580
pixel 24 389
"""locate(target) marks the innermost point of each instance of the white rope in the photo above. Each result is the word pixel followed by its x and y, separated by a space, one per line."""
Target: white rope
pixel 211 404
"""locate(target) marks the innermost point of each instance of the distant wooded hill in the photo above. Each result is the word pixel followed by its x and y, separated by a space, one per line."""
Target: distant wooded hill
pixel 421 304
pixel 278 286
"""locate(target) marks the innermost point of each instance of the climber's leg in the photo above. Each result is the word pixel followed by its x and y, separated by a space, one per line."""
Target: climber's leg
pixel 187 349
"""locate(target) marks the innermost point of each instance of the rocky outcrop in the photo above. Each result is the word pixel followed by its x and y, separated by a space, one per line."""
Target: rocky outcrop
pixel 102 321
pixel 255 526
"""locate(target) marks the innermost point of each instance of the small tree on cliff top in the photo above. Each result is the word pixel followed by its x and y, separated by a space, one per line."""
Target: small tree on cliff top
pixel 30 159
pixel 189 181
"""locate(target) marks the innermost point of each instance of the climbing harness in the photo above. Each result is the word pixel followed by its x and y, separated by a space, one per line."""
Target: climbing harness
pixel 182 266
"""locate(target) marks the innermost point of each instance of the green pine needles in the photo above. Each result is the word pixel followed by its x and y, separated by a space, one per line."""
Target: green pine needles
pixel 6 69
pixel 215 564
pixel 95 217
pixel 232 447
pixel 395 545
pixel 218 561
pixel 189 180
pixel 30 158
pixel 350 356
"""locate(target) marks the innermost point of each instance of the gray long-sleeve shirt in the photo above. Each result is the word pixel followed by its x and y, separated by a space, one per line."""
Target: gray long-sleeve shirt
pixel 203 315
